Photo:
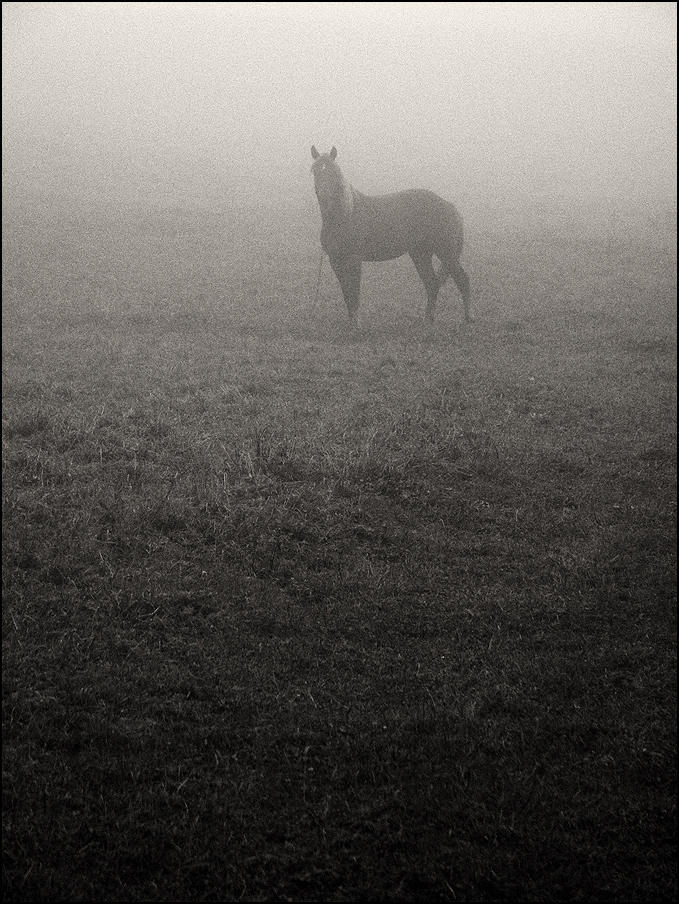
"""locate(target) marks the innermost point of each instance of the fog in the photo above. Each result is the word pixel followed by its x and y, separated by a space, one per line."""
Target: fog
pixel 198 103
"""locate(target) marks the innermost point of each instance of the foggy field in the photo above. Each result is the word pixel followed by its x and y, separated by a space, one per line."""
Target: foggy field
pixel 297 613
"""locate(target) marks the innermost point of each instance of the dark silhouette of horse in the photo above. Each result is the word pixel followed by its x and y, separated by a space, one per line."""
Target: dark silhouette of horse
pixel 359 228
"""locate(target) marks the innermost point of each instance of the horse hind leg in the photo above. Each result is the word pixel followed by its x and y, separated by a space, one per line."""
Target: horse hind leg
pixel 451 267
pixel 431 279
pixel 461 280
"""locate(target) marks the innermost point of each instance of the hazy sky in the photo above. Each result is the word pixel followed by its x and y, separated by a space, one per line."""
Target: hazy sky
pixel 565 99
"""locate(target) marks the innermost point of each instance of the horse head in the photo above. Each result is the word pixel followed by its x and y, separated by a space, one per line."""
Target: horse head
pixel 335 197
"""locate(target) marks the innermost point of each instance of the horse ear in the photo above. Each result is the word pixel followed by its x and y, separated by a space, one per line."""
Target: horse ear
pixel 333 152
pixel 314 152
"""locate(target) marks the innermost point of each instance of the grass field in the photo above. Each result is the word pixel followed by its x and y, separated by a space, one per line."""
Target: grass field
pixel 296 613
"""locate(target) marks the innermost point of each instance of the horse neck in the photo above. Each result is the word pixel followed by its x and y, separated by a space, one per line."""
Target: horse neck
pixel 345 208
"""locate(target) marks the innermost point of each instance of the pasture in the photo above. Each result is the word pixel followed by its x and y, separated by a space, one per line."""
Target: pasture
pixel 293 612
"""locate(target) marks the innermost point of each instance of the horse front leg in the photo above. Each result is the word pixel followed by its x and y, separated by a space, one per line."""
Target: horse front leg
pixel 348 272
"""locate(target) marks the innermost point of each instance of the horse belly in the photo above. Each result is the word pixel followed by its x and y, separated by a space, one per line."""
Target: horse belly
pixel 384 240
pixel 392 225
pixel 383 251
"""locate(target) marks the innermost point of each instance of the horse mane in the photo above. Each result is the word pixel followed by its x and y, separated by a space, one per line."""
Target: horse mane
pixel 347 197
pixel 347 192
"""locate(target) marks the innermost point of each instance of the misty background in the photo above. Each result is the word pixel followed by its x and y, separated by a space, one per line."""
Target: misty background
pixel 165 104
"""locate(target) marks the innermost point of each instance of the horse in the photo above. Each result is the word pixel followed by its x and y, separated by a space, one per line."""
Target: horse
pixel 358 227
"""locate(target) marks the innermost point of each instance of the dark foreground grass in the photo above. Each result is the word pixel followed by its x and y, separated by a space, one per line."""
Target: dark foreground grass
pixel 291 613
